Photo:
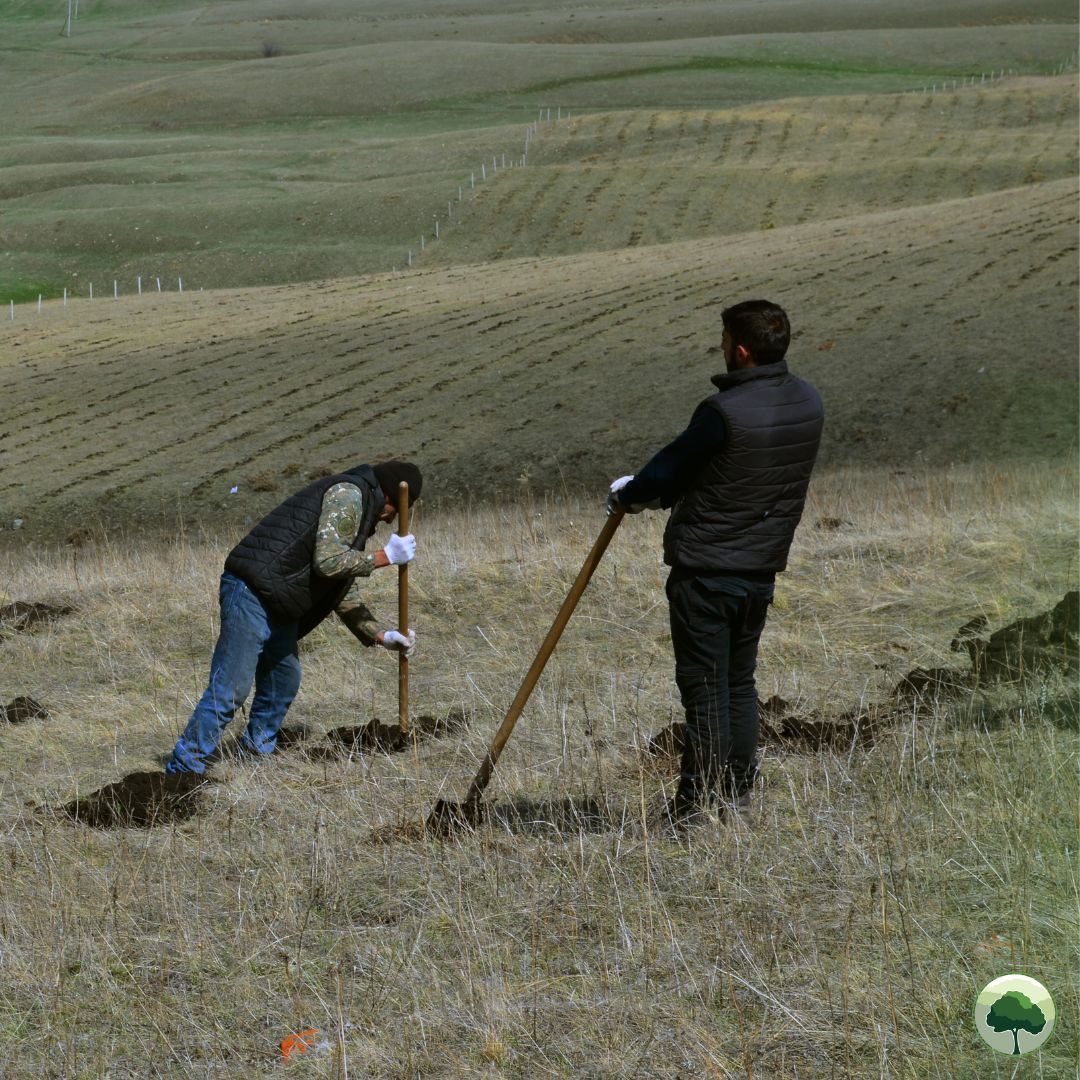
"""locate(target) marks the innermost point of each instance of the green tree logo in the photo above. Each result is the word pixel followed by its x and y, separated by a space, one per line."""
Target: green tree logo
pixel 1012 1005
pixel 1015 1012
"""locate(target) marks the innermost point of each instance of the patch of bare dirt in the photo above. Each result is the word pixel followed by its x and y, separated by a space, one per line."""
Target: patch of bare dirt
pixel 21 709
pixel 374 737
pixel 21 615
pixel 140 800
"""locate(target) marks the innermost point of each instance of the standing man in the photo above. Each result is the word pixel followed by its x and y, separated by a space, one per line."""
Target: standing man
pixel 736 479
pixel 298 564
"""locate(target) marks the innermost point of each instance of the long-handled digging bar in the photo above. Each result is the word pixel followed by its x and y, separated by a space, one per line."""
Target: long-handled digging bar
pixel 447 817
pixel 403 612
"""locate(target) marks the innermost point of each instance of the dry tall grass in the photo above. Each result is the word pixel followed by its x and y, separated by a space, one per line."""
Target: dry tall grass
pixel 844 932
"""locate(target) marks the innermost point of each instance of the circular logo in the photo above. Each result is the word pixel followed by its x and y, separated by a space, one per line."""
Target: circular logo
pixel 1014 1014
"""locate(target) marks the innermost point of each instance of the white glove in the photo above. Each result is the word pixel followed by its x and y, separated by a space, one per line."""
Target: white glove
pixel 397 642
pixel 400 549
pixel 613 502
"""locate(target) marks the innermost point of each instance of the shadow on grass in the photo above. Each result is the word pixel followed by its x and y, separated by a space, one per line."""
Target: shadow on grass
pixel 555 818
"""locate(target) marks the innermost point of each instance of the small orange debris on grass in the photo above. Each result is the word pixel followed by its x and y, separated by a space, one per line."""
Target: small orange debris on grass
pixel 299 1043
pixel 994 945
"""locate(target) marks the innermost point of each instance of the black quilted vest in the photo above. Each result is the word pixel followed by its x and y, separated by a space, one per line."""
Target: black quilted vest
pixel 740 512
pixel 275 558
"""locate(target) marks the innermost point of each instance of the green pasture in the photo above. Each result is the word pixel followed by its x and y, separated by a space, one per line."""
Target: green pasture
pixel 168 142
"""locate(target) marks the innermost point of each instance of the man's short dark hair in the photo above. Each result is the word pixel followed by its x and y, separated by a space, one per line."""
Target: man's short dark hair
pixel 391 473
pixel 759 326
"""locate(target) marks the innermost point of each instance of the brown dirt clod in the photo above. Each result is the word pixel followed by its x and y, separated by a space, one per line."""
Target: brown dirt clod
pixel 140 800
pixel 1042 643
pixel 20 615
pixel 21 709
pixel 373 737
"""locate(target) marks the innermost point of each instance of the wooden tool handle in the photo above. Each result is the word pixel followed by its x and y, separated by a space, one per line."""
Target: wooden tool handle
pixel 546 649
pixel 403 610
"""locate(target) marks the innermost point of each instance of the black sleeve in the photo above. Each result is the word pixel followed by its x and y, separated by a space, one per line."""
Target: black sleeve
pixel 671 469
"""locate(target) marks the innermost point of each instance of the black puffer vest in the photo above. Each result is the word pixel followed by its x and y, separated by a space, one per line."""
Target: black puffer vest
pixel 275 558
pixel 741 511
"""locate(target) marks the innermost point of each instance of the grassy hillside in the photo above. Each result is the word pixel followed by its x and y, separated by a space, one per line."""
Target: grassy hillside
pixel 937 335
pixel 249 143
pixel 613 180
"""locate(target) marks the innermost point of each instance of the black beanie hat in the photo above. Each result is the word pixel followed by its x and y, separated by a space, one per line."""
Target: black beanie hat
pixel 391 473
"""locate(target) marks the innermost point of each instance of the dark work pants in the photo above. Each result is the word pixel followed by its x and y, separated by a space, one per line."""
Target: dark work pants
pixel 716 623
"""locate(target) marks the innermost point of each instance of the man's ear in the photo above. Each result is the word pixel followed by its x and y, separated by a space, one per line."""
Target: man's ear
pixel 743 357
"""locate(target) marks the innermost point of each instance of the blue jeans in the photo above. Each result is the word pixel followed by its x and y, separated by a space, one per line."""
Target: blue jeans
pixel 716 624
pixel 251 648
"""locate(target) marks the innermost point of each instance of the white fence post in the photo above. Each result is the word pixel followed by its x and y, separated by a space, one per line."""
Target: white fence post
pixel 12 310
pixel 115 290
pixel 39 303
pixel 91 290
pixel 65 296
pixel 138 281
pixel 179 284
pixel 159 284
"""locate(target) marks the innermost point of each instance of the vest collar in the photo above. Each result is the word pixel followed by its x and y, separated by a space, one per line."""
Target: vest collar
pixel 726 380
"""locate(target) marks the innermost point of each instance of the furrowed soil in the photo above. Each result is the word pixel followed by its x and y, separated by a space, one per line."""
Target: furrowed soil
pixel 540 375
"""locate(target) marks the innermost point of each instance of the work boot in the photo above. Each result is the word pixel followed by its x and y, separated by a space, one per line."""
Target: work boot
pixel 684 812
pixel 734 807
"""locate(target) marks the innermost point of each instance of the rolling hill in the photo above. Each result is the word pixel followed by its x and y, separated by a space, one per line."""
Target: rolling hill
pixel 417 288
pixel 937 334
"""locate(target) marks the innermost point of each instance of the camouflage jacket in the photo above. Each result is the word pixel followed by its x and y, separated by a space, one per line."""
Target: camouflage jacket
pixel 335 557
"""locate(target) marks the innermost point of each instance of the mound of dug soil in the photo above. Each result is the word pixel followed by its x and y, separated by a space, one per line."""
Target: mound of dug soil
pixel 782 723
pixel 21 709
pixel 1042 643
pixel 140 800
pixel 21 615
pixel 373 737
